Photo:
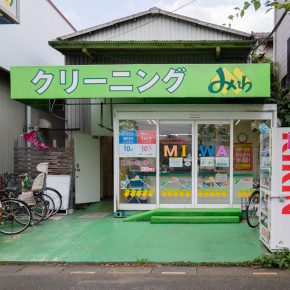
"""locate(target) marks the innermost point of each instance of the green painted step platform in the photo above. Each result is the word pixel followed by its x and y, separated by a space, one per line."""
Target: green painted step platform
pixel 204 214
pixel 194 219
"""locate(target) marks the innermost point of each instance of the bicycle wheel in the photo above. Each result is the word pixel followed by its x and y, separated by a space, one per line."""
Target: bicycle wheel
pixel 252 210
pixel 39 209
pixel 56 196
pixel 50 205
pixel 15 216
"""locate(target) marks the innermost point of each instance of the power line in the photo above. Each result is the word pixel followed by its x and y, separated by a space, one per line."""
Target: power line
pixel 150 21
pixel 183 6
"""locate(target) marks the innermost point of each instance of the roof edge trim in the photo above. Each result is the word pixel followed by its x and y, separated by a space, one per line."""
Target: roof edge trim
pixel 155 11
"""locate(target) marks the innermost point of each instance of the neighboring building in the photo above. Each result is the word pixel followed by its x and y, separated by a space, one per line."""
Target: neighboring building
pixel 26 44
pixel 265 50
pixel 282 47
pixel 175 96
pixel 9 11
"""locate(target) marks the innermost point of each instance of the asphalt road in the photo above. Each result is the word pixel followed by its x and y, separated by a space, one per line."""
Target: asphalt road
pixel 79 277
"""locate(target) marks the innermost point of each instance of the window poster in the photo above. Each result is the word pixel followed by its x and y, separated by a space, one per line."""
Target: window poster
pixel 175 145
pixel 222 162
pixel 219 177
pixel 243 156
pixel 175 162
pixel 139 164
pixel 146 136
pixel 265 162
pixel 207 161
pixel 137 143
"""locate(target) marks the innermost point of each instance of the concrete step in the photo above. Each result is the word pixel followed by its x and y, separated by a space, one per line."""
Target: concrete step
pixel 146 216
pixel 199 212
pixel 194 219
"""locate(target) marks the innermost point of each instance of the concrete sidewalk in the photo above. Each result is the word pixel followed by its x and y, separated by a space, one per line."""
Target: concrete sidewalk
pixel 137 270
pixel 80 277
pixel 103 238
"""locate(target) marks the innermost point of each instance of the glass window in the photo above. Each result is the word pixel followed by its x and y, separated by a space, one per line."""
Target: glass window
pixel 247 159
pixel 213 164
pixel 137 156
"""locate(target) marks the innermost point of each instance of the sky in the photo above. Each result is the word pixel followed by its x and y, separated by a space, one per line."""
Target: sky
pixel 87 13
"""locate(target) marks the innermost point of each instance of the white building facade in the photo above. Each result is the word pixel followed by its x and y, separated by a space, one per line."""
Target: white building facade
pixel 282 47
pixel 26 44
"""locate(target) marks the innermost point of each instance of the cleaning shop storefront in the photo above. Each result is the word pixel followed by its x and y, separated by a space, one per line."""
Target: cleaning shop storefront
pixel 189 137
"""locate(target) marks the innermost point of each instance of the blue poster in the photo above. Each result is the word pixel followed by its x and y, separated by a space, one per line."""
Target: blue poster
pixel 127 137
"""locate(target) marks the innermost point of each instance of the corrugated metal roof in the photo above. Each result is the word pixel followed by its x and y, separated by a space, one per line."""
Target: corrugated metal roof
pixel 156 12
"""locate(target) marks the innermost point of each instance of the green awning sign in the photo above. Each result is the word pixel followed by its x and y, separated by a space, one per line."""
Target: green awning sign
pixel 141 81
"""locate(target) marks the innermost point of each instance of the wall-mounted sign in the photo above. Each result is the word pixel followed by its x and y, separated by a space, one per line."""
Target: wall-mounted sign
pixel 141 81
pixel 9 11
pixel 243 156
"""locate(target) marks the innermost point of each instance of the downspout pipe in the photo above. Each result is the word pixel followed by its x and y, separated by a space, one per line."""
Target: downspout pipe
pixel 288 63
pixel 28 121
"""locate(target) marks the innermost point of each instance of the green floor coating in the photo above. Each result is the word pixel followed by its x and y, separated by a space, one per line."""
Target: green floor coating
pixel 109 239
pixel 193 219
pixel 146 216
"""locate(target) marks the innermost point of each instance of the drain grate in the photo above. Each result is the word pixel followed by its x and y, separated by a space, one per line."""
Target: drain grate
pixel 95 215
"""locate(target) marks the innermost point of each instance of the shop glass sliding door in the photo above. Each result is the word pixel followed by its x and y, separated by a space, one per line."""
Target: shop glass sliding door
pixel 213 163
pixel 137 162
pixel 194 168
pixel 175 163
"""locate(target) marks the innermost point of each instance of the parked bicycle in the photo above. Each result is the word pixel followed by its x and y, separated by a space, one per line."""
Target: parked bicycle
pixel 253 208
pixel 15 215
pixel 43 201
pixel 42 189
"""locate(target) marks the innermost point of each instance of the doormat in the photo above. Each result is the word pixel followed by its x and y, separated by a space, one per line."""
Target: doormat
pixel 95 215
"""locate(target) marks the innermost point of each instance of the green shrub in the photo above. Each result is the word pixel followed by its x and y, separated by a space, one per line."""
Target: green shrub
pixel 278 259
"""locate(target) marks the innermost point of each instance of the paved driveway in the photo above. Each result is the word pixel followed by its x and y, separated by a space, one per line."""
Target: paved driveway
pixel 103 238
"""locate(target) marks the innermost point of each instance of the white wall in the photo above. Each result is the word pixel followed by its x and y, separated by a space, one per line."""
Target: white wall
pixel 12 120
pixel 27 43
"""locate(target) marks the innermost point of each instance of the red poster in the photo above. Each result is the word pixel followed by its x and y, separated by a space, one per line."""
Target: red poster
pixel 146 137
pixel 243 156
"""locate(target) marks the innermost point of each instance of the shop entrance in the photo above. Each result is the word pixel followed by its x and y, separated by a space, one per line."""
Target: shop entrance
pixel 176 163
pixel 185 159
pixel 194 160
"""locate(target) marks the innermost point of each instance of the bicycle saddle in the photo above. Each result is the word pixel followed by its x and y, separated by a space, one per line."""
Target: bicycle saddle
pixel 11 188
